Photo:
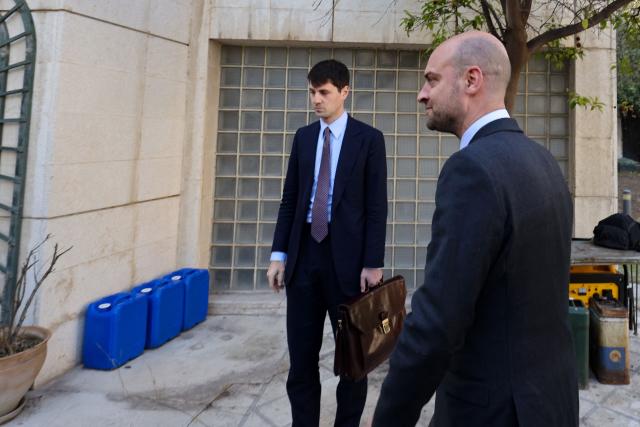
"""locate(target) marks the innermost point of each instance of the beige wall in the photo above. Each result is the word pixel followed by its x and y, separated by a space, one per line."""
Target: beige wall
pixel 196 205
pixel 105 155
pixel 594 177
pixel 354 21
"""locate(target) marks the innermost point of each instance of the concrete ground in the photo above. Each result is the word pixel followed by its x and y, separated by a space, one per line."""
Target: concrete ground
pixel 230 371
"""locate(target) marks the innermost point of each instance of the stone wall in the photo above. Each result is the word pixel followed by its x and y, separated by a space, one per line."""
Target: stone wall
pixel 105 155
pixel 594 172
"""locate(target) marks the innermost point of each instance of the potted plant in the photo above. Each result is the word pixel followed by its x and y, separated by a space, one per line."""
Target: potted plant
pixel 23 348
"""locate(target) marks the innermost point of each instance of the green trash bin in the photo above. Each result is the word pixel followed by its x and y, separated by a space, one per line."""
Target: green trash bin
pixel 579 321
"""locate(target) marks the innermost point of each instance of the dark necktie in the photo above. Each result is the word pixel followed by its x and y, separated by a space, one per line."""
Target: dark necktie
pixel 319 212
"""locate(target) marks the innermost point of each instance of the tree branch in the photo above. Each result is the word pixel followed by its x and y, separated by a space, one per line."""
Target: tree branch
pixel 497 18
pixel 558 33
pixel 391 3
pixel 550 17
pixel 9 334
pixel 18 296
pixel 39 281
pixel 487 16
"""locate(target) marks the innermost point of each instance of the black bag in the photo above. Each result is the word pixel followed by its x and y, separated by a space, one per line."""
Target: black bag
pixel 368 329
pixel 618 231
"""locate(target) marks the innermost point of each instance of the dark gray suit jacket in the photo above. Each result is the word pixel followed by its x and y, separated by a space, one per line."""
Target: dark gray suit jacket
pixel 489 327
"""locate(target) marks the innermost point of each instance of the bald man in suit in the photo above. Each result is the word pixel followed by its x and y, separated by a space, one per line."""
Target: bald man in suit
pixel 488 331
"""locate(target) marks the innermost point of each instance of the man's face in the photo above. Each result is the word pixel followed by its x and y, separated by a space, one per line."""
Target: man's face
pixel 328 101
pixel 441 93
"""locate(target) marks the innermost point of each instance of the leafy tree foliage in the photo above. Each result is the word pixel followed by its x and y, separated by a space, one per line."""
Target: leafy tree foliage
pixel 526 28
pixel 628 54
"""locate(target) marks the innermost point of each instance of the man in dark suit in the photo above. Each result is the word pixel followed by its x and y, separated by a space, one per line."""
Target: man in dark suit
pixel 328 243
pixel 488 329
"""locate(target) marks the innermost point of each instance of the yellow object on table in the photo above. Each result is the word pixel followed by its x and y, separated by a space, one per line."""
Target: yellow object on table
pixel 587 281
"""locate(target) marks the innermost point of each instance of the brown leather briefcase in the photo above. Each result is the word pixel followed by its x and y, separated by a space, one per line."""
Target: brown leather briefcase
pixel 368 329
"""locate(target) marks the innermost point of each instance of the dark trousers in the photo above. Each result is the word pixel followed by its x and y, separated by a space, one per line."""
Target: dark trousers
pixel 314 291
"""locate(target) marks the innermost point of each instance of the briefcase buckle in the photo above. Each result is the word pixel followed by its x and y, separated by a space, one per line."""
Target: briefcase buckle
pixel 386 326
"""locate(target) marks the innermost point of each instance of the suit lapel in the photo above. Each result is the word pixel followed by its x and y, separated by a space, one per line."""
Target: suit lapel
pixel 351 144
pixel 309 141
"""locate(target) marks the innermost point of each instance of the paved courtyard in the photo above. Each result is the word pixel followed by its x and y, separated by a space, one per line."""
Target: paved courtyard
pixel 231 371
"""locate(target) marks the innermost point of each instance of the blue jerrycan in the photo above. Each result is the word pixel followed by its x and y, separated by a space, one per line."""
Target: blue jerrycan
pixel 196 294
pixel 165 299
pixel 114 331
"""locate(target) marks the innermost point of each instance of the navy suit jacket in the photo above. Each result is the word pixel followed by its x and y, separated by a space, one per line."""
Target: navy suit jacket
pixel 489 326
pixel 359 204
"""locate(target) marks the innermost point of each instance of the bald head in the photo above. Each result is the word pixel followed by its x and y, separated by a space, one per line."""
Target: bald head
pixel 476 48
pixel 466 77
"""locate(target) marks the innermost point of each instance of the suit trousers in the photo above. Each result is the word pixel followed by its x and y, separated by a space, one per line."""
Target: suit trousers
pixel 314 290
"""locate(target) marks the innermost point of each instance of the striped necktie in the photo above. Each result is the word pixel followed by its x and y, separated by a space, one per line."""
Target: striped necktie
pixel 319 212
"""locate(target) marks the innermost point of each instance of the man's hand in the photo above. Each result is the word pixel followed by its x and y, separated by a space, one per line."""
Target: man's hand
pixel 371 276
pixel 275 275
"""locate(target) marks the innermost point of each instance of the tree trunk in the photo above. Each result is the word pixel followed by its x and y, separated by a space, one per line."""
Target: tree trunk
pixel 515 42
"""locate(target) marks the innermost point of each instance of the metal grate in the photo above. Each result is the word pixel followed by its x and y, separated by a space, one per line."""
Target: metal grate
pixel 17 63
pixel 264 99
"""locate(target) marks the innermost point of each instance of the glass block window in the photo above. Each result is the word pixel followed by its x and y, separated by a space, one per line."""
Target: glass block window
pixel 264 100
pixel 541 107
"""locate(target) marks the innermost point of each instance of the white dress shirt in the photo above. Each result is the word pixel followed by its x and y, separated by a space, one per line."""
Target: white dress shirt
pixel 337 128
pixel 471 131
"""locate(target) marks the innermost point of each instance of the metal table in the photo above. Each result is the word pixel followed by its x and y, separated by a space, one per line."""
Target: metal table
pixel 584 252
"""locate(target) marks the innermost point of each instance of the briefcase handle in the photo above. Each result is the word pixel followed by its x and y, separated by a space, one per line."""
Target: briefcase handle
pixel 368 288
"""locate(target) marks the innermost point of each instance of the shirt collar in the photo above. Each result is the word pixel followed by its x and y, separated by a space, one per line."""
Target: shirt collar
pixel 337 127
pixel 471 131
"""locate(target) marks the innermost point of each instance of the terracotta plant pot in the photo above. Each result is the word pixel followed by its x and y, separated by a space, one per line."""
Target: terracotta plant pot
pixel 19 371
